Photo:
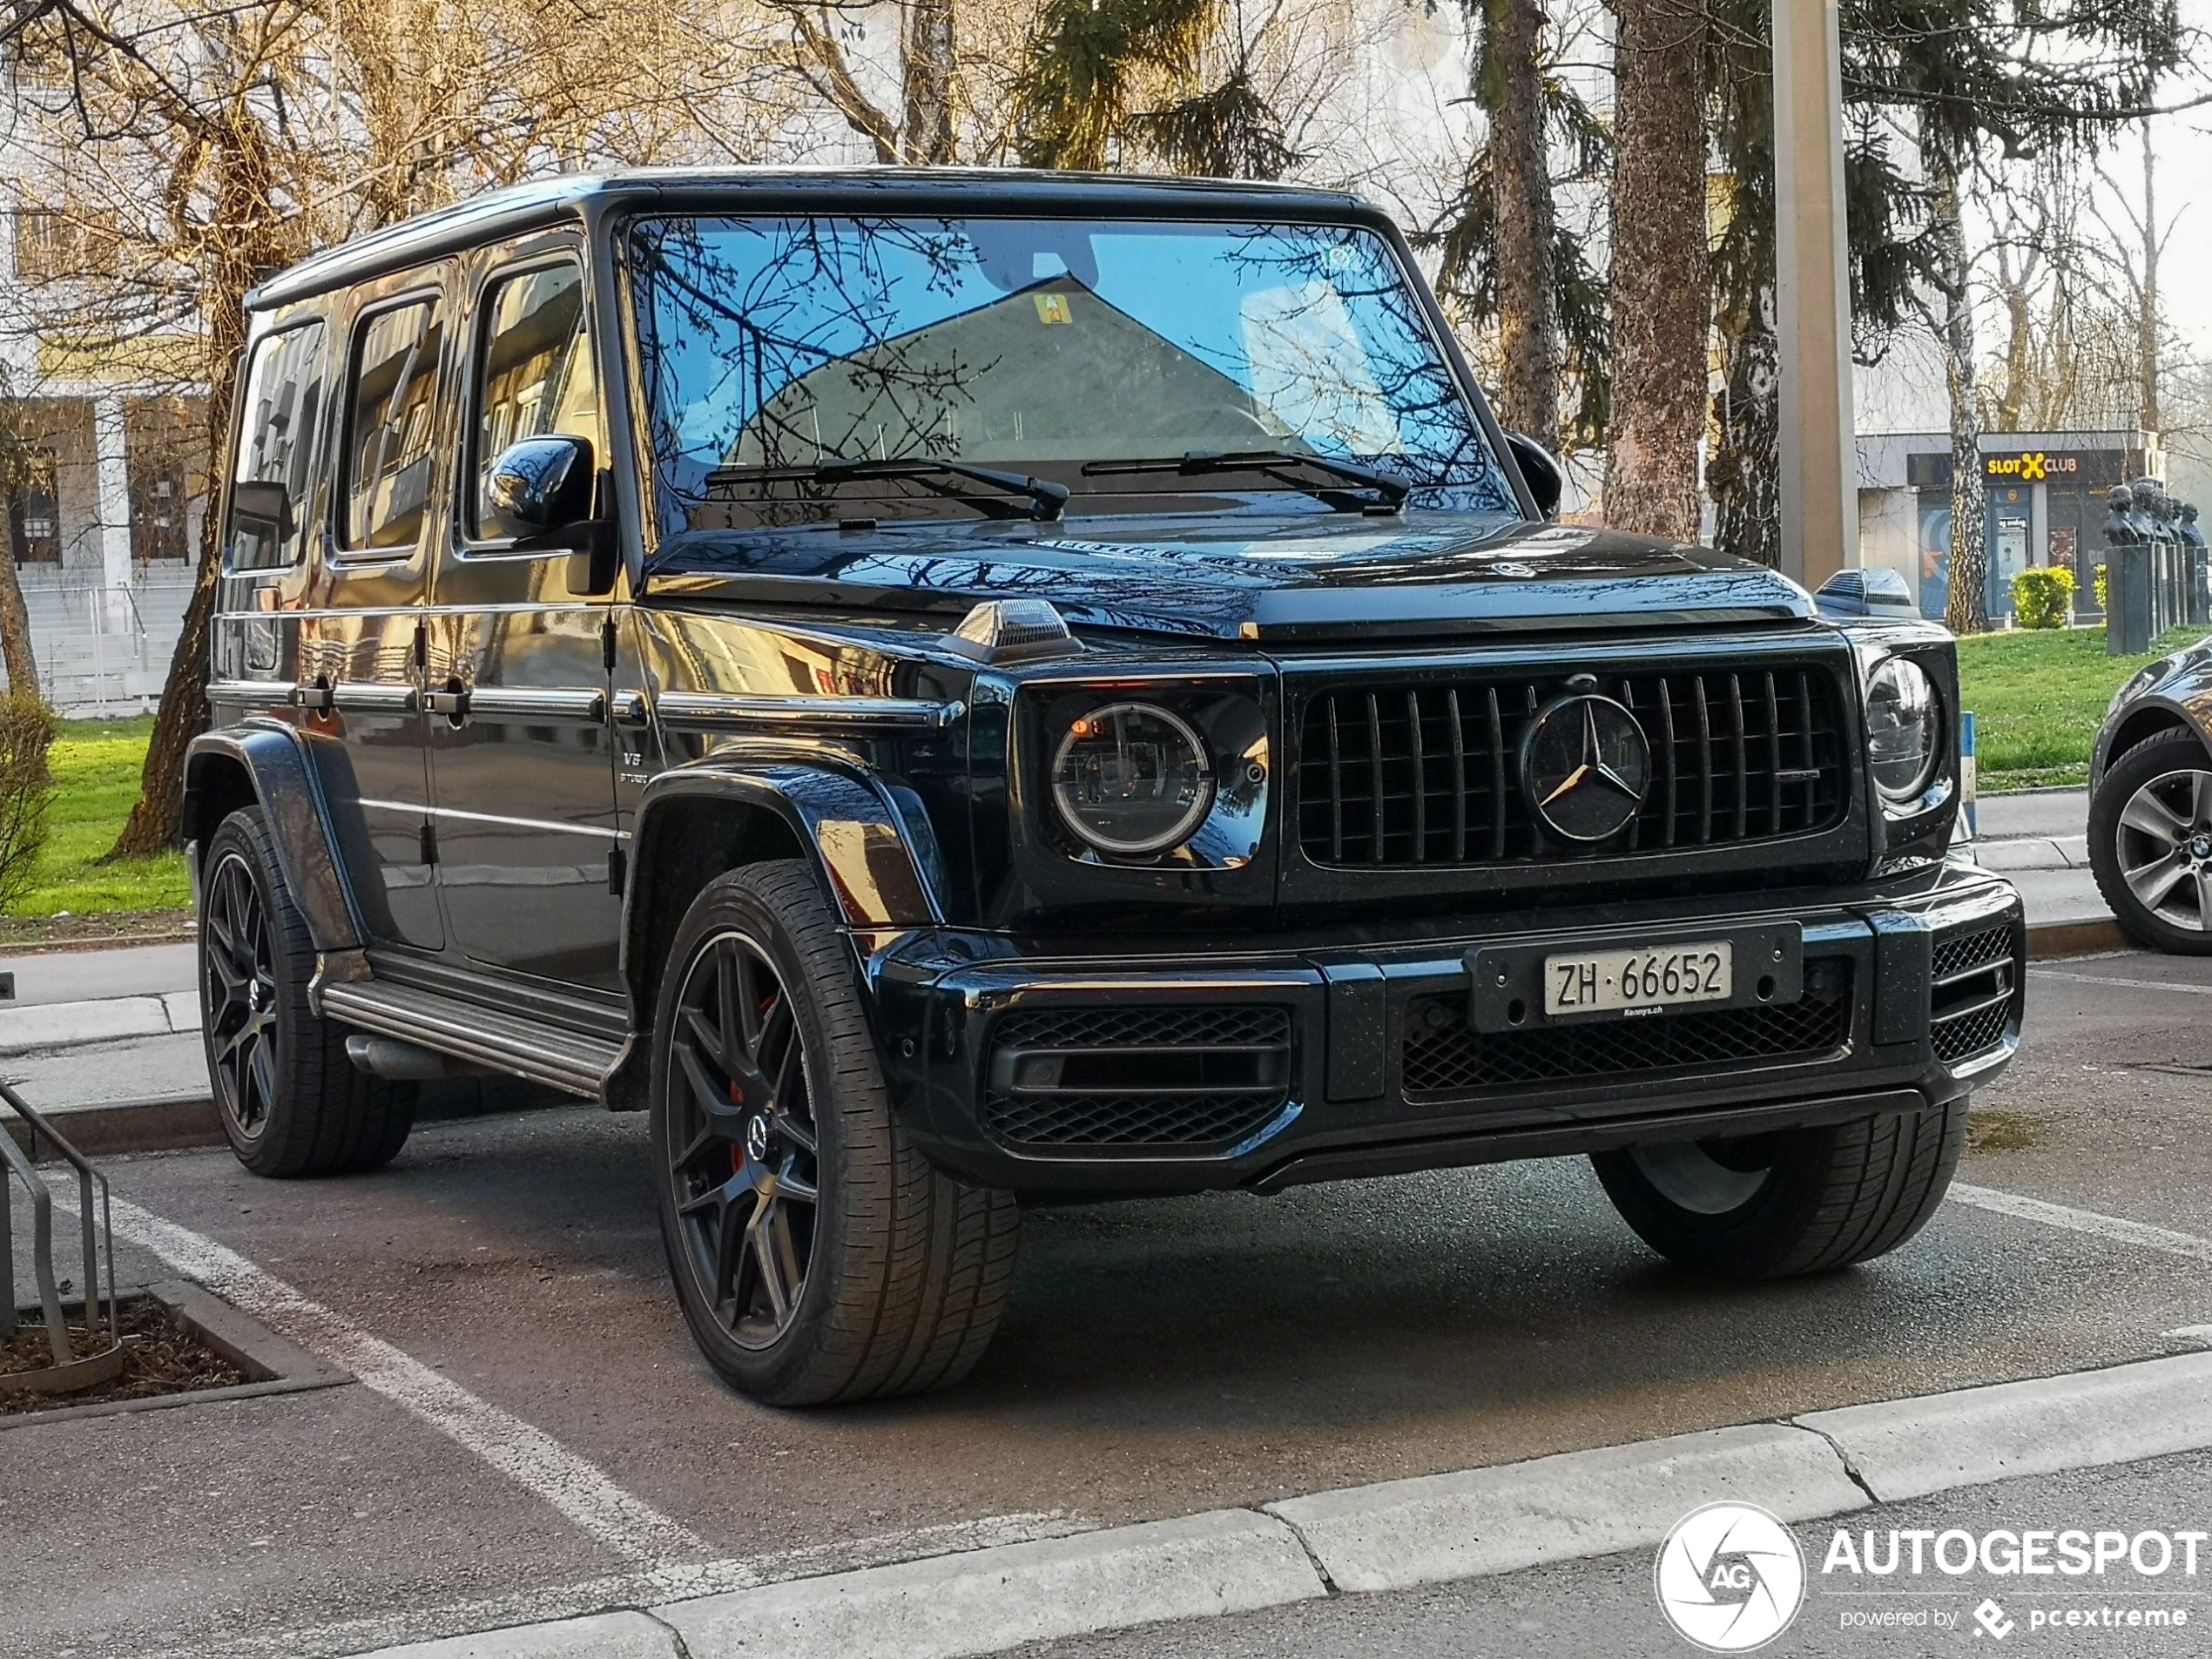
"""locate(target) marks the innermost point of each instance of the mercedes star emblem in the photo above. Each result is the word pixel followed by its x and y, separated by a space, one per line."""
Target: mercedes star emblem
pixel 1584 767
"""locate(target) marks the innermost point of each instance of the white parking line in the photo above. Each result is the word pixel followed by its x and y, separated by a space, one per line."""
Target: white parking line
pixel 2116 1228
pixel 527 1455
pixel 2122 984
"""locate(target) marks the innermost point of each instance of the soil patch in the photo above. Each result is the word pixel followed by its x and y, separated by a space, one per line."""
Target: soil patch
pixel 1989 1131
pixel 160 1357
pixel 90 933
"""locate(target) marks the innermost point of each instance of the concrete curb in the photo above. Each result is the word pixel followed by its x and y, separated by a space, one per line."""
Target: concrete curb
pixel 65 1025
pixel 1475 1523
pixel 1483 1521
pixel 111 1126
pixel 2051 941
pixel 1909 1448
pixel 1227 1560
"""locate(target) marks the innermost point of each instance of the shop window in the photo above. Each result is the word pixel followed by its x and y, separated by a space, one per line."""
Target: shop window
pixel 35 512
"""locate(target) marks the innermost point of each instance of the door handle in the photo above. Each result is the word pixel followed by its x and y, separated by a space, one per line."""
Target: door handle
pixel 453 704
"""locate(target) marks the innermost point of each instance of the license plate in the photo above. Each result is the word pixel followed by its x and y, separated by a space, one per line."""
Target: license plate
pixel 1620 982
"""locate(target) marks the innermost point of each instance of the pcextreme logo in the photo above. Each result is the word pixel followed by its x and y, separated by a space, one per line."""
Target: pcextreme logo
pixel 1730 1577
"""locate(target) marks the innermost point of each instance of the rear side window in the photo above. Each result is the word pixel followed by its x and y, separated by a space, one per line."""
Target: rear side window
pixel 286 394
pixel 537 376
pixel 393 397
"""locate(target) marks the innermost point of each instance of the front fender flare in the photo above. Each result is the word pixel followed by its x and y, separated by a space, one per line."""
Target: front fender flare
pixel 862 846
pixel 289 791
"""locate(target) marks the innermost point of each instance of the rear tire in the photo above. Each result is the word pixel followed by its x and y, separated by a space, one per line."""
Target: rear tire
pixel 816 1254
pixel 291 1102
pixel 1797 1201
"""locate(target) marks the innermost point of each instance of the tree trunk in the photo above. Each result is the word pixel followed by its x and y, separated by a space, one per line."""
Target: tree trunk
pixel 1967 609
pixel 2153 417
pixel 1661 287
pixel 927 132
pixel 1512 89
pixel 15 630
pixel 248 252
pixel 1745 473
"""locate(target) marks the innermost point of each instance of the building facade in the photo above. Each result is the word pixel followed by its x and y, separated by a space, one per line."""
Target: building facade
pixel 2044 505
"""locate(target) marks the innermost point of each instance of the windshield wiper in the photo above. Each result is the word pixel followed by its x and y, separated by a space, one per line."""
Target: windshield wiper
pixel 1270 463
pixel 1046 497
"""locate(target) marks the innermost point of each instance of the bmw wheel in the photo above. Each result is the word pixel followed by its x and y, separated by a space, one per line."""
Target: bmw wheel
pixel 2150 844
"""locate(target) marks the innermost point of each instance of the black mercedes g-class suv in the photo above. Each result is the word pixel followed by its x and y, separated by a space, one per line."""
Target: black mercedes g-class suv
pixel 952 691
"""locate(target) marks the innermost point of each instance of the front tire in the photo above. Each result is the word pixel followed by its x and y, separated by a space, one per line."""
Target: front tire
pixel 1792 1202
pixel 2150 844
pixel 292 1103
pixel 816 1254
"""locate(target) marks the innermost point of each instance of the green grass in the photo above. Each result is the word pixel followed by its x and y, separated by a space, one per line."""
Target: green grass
pixel 96 765
pixel 2037 699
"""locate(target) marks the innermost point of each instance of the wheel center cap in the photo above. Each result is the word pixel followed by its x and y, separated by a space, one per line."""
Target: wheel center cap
pixel 756 1139
pixel 2200 846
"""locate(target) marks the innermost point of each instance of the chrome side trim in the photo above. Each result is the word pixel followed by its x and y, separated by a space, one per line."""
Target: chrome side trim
pixel 534 703
pixel 631 708
pixel 368 697
pixel 705 711
pixel 262 692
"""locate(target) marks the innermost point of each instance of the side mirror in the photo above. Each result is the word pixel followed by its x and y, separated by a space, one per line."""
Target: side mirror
pixel 1541 470
pixel 262 508
pixel 541 484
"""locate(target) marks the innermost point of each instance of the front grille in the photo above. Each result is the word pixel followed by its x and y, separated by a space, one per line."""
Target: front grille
pixel 1191 1078
pixel 1961 953
pixel 1972 992
pixel 1965 1036
pixel 1429 775
pixel 1442 1055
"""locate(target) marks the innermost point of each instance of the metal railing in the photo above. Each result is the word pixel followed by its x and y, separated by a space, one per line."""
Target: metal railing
pixel 69 1371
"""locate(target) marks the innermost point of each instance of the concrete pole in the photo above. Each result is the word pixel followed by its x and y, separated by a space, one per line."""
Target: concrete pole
pixel 1819 448
pixel 111 450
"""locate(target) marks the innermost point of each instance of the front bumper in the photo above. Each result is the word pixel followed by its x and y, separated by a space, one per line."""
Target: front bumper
pixel 1921 979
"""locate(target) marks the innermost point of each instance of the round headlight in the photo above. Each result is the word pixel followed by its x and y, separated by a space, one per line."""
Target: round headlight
pixel 1131 780
pixel 1903 734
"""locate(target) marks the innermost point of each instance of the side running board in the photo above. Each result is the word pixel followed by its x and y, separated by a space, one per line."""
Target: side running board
pixel 566 1060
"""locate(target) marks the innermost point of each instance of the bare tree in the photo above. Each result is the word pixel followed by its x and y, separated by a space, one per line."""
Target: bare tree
pixel 1661 290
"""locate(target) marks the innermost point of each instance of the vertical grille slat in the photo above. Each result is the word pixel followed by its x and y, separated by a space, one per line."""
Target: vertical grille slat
pixel 1704 761
pixel 1737 756
pixel 1497 780
pixel 1336 789
pixel 1742 769
pixel 1375 777
pixel 1421 778
pixel 1459 778
pixel 1774 759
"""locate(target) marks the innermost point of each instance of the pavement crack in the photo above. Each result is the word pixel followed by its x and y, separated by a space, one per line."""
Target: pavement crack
pixel 675 1636
pixel 1320 1567
pixel 1851 1469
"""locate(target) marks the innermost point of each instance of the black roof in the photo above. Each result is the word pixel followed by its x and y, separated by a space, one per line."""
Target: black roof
pixel 947 190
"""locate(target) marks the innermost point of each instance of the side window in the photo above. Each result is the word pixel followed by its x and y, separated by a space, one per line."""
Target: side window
pixel 537 374
pixel 279 439
pixel 394 404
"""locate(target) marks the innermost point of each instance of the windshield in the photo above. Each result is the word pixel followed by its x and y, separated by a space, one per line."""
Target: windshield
pixel 1034 347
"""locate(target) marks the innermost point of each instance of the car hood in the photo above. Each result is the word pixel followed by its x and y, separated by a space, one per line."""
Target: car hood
pixel 1233 578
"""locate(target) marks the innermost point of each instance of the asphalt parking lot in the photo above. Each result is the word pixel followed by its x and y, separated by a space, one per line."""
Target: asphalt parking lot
pixel 1159 1358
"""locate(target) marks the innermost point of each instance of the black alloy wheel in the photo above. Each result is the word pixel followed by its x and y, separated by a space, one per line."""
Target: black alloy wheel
pixel 292 1103
pixel 817 1255
pixel 239 996
pixel 745 1152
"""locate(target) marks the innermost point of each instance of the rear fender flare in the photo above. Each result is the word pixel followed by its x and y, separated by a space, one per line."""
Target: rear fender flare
pixel 290 793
